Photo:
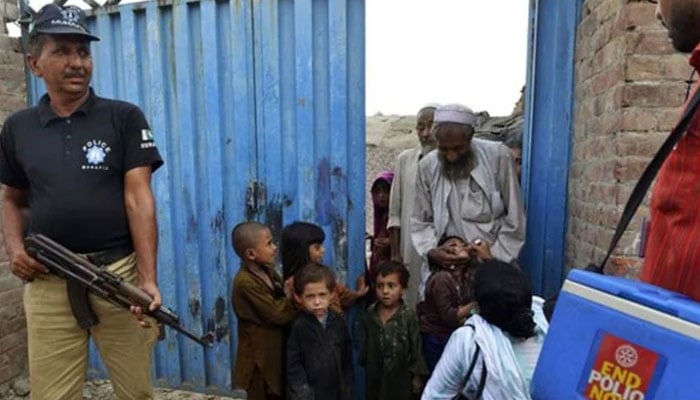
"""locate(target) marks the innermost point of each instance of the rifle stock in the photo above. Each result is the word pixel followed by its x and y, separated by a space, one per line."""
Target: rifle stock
pixel 102 283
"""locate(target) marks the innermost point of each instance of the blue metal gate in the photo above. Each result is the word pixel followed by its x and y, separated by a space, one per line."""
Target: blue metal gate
pixel 549 100
pixel 257 107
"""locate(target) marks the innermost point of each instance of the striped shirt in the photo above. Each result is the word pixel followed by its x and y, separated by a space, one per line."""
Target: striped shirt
pixel 672 256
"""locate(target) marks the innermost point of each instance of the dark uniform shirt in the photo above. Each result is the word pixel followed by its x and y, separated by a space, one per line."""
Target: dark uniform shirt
pixel 73 168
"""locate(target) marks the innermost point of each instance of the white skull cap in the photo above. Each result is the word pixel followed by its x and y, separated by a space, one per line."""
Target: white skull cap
pixel 456 113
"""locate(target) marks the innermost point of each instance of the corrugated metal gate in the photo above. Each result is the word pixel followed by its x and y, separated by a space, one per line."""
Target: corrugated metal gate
pixel 257 107
pixel 549 102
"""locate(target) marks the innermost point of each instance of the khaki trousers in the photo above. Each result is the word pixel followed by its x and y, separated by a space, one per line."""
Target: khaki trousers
pixel 58 347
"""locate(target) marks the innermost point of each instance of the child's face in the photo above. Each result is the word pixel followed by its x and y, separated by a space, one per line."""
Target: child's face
pixel 316 298
pixel 456 247
pixel 388 289
pixel 316 253
pixel 381 194
pixel 266 250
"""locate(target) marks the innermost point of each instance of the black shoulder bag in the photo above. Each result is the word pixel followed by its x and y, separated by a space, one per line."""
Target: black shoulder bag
pixel 647 177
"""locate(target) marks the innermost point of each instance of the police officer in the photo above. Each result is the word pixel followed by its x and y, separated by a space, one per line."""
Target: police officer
pixel 81 166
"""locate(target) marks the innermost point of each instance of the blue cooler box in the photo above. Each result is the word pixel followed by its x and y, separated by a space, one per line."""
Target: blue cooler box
pixel 616 339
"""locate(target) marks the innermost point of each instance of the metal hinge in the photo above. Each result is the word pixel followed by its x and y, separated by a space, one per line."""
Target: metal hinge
pixel 255 196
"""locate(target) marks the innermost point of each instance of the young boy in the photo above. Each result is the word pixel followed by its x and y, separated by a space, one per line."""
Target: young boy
pixel 319 354
pixel 392 353
pixel 447 299
pixel 262 310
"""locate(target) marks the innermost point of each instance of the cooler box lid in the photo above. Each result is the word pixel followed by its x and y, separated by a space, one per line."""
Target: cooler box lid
pixel 641 293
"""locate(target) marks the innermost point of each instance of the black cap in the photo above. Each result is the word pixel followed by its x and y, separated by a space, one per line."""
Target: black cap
pixel 56 20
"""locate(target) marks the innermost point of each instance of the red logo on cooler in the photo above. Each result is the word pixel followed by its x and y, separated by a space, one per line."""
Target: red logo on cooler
pixel 621 371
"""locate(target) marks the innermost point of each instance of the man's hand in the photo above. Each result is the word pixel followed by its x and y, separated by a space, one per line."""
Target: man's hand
pixel 481 250
pixel 25 267
pixel 444 259
pixel 152 289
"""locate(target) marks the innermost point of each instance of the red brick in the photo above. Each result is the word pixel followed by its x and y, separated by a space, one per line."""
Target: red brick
pixel 676 67
pixel 12 321
pixel 607 79
pixel 610 123
pixel 649 95
pixel 612 54
pixel 588 25
pixel 638 144
pixel 634 15
pixel 601 37
pixel 629 169
pixel 643 67
pixel 608 10
pixel 650 43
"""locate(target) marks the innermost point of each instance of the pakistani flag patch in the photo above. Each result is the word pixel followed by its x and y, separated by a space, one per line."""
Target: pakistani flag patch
pixel 147 139
pixel 146 135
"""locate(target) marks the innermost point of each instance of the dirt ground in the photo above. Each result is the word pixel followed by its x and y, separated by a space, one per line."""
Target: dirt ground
pixel 102 390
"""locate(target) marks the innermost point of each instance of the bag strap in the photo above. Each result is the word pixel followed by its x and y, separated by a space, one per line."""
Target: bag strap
pixel 482 380
pixel 470 370
pixel 648 176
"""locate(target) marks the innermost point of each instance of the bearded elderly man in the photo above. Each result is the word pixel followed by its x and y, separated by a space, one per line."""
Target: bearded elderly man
pixel 467 188
pixel 403 194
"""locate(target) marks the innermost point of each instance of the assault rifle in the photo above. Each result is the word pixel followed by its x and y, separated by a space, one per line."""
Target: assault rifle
pixel 102 283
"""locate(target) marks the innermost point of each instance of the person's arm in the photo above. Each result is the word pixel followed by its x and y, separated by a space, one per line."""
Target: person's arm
pixel 423 233
pixel 297 381
pixel 446 380
pixel 395 243
pixel 444 294
pixel 347 296
pixel 14 203
pixel 141 214
pixel 394 223
pixel 445 259
pixel 273 311
pixel 511 236
pixel 21 264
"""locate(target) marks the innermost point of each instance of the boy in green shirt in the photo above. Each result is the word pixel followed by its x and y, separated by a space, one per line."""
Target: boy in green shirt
pixel 392 354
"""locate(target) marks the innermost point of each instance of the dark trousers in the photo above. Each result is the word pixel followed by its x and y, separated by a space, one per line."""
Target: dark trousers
pixel 433 347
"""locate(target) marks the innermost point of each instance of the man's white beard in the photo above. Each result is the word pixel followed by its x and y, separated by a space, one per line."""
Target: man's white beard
pixel 457 170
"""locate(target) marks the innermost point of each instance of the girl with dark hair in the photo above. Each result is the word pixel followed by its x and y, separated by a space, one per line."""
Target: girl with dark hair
pixel 381 244
pixel 301 245
pixel 502 341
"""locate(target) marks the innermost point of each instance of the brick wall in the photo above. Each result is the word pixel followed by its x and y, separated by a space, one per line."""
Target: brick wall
pixel 630 84
pixel 13 352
